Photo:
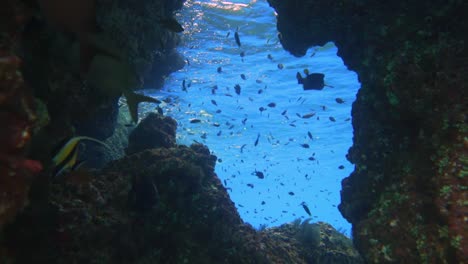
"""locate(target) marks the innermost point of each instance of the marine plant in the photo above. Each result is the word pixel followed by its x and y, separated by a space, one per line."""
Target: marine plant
pixel 308 234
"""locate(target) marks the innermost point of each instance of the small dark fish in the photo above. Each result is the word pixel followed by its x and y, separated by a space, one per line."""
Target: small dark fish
pixel 243 76
pixel 242 54
pixel 250 185
pixel 236 37
pixel 341 167
pixel 195 120
pixel 306 208
pixel 270 57
pixel 244 120
pixel 188 62
pixel 256 141
pixel 214 102
pixel 313 81
pixel 263 203
pixel 305 145
pixel 309 115
pixel 261 109
pixel 272 105
pixel 184 88
pixel 159 110
pixel 227 35
pixel 219 133
pixel 129 125
pixel 171 24
pixel 311 158
pixel 339 100
pixel 293 125
pixel 213 89
pixel 332 119
pixel 260 91
pixel 259 174
pixel 203 136
pixel 291 193
pixel 242 148
pixel 258 81
pixel 347 119
pixel 218 111
pixel 284 112
pixel 216 124
pixel 219 70
pixel 237 88
pixel 309 134
pixel 280 66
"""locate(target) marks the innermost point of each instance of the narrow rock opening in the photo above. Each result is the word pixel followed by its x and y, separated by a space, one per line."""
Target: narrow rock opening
pixel 278 146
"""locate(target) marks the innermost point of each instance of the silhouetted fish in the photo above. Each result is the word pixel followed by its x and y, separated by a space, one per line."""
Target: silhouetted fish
pixel 306 208
pixel 256 141
pixel 313 81
pixel 237 88
pixel 236 37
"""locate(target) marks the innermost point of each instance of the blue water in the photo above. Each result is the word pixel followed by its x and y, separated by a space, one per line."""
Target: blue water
pixel 279 155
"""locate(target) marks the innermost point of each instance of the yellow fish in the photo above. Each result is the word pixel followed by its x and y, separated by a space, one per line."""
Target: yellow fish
pixel 66 158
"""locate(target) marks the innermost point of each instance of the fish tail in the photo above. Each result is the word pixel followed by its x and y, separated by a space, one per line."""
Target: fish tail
pixel 133 99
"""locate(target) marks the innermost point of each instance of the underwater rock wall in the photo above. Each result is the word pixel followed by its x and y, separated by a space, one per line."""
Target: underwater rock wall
pixel 20 116
pixel 407 197
pixel 158 205
pixel 60 45
pixel 43 95
pixel 149 43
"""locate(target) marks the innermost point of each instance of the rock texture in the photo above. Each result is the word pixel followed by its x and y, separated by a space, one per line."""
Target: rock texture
pixel 58 50
pixel 407 197
pixel 154 131
pixel 161 205
pixel 20 115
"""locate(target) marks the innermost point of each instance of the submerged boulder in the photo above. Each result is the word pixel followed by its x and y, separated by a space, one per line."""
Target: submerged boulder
pixel 154 131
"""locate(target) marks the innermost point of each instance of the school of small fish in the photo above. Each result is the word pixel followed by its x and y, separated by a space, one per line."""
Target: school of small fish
pixel 201 124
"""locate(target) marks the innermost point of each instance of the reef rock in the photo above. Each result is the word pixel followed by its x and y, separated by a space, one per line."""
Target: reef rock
pixel 407 196
pixel 92 217
pixel 18 118
pixel 163 205
pixel 154 131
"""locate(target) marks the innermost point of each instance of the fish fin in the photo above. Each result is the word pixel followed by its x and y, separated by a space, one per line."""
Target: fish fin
pixel 133 99
pixel 94 140
pixel 77 165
